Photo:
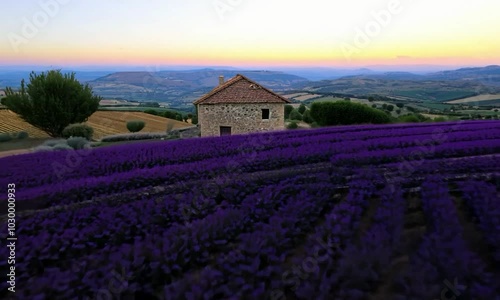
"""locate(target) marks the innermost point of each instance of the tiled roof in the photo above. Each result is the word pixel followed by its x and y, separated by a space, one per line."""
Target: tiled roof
pixel 240 89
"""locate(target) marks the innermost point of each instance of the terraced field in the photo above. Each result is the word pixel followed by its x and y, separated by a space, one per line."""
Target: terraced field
pixel 104 123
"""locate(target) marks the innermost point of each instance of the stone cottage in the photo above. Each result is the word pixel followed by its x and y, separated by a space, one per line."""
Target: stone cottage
pixel 238 106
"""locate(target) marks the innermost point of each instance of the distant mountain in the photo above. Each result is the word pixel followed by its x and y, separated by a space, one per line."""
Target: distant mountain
pixel 181 88
pixel 489 75
pixel 436 87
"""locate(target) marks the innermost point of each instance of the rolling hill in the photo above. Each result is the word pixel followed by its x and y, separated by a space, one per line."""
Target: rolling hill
pixel 180 88
pixel 104 123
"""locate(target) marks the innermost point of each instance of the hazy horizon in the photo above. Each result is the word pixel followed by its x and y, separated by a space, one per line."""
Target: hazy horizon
pixel 251 34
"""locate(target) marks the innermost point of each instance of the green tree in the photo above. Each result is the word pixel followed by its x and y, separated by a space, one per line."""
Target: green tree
pixel 345 113
pixel 306 117
pixel 371 99
pixel 52 100
pixel 135 125
pixel 302 108
pixel 194 119
pixel 288 110
pixel 400 105
pixel 390 107
pixel 295 115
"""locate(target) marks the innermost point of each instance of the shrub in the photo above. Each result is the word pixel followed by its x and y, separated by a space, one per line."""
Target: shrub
pixel 288 110
pixel 5 137
pixel 22 135
pixel 194 119
pixel 292 125
pixel 295 115
pixel 314 125
pixel 43 148
pixel 151 112
pixel 306 117
pixel 135 136
pixel 346 113
pixel 440 119
pixel 302 108
pixel 62 147
pixel 400 105
pixel 78 143
pixel 78 130
pixel 52 143
pixel 398 111
pixel 390 107
pixel 135 125
pixel 374 105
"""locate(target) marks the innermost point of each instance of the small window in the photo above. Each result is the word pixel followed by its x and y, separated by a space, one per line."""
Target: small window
pixel 225 130
pixel 265 114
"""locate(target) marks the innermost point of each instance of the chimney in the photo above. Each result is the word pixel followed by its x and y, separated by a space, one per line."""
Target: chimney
pixel 221 80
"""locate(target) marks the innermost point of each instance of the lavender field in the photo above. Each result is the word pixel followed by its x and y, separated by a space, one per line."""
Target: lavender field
pixel 352 212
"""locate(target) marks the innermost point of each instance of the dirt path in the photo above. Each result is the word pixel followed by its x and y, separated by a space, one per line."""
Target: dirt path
pixel 14 152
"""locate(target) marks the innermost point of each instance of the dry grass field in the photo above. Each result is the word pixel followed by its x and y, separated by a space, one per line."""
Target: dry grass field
pixel 104 123
pixel 479 98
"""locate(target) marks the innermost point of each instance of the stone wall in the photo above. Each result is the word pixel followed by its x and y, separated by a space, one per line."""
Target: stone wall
pixel 242 118
pixel 182 133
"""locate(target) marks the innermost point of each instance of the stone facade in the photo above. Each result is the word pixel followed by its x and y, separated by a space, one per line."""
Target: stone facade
pixel 242 118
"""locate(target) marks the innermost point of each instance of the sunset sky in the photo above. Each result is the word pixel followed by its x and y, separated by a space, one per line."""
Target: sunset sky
pixel 242 33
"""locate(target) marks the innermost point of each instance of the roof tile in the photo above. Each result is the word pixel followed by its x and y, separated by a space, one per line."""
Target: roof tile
pixel 240 89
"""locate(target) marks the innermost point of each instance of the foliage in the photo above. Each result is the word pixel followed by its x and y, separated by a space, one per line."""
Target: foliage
pixel 194 119
pixel 295 115
pixel 288 111
pixel 413 118
pixel 151 112
pixel 390 107
pixel 292 125
pixel 302 108
pixel 5 137
pixel 52 101
pixel 371 99
pixel 306 117
pixel 78 143
pixel 78 130
pixel 345 113
pixel 135 125
pixel 400 105
pixel 398 111
pixel 22 135
pixel 135 137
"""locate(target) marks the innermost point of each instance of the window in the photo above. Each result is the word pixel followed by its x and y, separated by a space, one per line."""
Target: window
pixel 225 130
pixel 265 114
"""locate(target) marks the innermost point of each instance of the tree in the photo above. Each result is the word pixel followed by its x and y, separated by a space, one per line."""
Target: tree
pixel 194 119
pixel 135 125
pixel 52 101
pixel 345 113
pixel 288 110
pixel 400 105
pixel 390 107
pixel 295 115
pixel 302 108
pixel 306 117
pixel 371 99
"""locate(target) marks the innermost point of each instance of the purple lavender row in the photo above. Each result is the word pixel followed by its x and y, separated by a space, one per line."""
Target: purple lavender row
pixel 97 226
pixel 483 199
pixel 160 254
pixel 443 255
pixel 362 265
pixel 253 267
pixel 445 150
pixel 106 161
pixel 303 280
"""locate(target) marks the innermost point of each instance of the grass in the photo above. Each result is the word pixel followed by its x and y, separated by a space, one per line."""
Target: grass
pixel 16 144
